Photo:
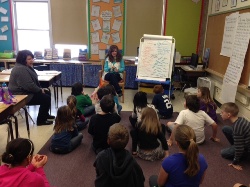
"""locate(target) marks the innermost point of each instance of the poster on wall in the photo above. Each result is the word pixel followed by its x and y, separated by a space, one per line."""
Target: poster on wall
pixel 106 27
pixel 233 3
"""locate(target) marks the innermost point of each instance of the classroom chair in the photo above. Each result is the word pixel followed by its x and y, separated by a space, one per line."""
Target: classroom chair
pixel 121 83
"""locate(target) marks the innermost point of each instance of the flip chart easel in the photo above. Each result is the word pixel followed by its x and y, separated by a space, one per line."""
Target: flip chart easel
pixel 155 61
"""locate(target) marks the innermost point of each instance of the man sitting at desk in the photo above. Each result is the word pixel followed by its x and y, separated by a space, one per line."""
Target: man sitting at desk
pixel 24 81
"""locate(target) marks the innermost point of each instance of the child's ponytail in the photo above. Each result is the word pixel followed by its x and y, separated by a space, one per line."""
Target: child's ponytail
pixel 185 137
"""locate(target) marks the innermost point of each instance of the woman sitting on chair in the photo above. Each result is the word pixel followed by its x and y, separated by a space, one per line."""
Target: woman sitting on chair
pixel 24 81
pixel 113 68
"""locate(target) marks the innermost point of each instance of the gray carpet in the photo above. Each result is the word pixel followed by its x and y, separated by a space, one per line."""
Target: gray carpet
pixel 76 168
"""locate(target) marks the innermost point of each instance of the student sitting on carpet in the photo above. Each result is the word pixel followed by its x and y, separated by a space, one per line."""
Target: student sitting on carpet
pixel 112 91
pixel 99 123
pixel 186 168
pixel 238 135
pixel 100 93
pixel 81 121
pixel 66 136
pixel 206 102
pixel 196 119
pixel 84 102
pixel 162 102
pixel 22 168
pixel 148 137
pixel 140 101
pixel 115 166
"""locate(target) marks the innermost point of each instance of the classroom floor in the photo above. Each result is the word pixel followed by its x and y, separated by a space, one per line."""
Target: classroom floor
pixel 40 134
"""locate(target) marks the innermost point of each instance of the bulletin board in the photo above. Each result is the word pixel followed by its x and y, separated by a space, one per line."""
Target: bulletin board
pixel 214 37
pixel 106 26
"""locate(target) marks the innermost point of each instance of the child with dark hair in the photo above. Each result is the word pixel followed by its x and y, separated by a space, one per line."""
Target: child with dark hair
pixel 206 102
pixel 148 138
pixel 112 91
pixel 84 102
pixel 195 118
pixel 115 166
pixel 140 101
pixel 162 102
pixel 22 168
pixel 99 123
pixel 238 135
pixel 66 137
pixel 80 120
pixel 100 93
pixel 185 168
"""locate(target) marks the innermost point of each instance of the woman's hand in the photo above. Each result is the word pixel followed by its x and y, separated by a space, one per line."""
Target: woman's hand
pixel 115 69
pixel 39 160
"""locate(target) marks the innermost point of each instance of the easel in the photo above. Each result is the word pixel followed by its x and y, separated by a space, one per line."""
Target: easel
pixel 161 56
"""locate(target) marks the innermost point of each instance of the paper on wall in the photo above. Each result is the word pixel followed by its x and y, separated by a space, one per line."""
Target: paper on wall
pixel 95 11
pixel 96 24
pixel 94 49
pixel 3 10
pixel 117 11
pixel 106 26
pixel 3 37
pixel 4 28
pixel 115 37
pixel 106 15
pixel 4 19
pixel 105 1
pixel 117 1
pixel 116 25
pixel 105 38
pixel 95 37
pixel 101 54
pixel 95 1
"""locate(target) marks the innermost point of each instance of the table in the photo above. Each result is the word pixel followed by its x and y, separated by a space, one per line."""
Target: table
pixel 193 74
pixel 9 110
pixel 45 78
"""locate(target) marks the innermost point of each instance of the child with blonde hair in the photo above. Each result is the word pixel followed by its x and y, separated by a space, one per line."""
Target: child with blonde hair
pixel 66 136
pixel 185 168
pixel 162 102
pixel 206 102
pixel 148 140
pixel 81 121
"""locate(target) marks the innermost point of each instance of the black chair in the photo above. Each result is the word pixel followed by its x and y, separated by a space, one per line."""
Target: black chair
pixel 184 80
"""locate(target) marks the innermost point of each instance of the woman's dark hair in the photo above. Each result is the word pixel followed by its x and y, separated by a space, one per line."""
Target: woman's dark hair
pixel 118 55
pixel 22 56
pixel 111 89
pixel 17 150
pixel 193 103
pixel 140 100
pixel 77 89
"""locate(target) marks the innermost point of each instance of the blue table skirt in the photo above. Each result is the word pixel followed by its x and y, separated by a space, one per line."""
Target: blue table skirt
pixel 88 75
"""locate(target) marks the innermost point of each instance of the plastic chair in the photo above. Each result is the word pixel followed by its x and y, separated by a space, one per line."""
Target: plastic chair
pixel 121 83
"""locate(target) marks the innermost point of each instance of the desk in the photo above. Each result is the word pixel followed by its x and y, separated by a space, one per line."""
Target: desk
pixel 9 111
pixel 45 80
pixel 193 74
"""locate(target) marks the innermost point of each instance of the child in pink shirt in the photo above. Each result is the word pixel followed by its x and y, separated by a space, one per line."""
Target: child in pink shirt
pixel 22 169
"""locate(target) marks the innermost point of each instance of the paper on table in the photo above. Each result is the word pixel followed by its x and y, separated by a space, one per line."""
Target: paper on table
pixel 3 37
pixel 3 10
pixel 46 72
pixel 117 24
pixel 5 19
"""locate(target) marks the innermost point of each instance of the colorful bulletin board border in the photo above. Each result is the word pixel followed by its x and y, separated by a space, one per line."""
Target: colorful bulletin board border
pixel 106 26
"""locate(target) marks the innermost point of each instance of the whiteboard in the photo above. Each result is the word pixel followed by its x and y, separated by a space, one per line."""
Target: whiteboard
pixel 155 60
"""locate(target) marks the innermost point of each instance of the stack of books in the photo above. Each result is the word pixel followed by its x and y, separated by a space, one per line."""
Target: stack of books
pixel 48 54
pixel 55 54
pixel 67 54
pixel 38 55
pixel 82 55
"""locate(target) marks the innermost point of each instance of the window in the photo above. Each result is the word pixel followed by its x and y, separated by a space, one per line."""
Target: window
pixel 32 25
